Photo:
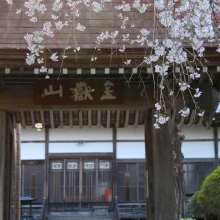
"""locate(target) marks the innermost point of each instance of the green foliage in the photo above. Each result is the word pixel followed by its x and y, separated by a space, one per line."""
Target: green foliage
pixel 209 196
pixel 187 219
pixel 195 207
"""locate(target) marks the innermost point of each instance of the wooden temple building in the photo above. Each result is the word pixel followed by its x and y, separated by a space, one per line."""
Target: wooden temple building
pixel 98 148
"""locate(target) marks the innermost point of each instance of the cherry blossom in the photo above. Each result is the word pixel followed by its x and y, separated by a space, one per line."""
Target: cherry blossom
pixel 127 62
pixel 183 86
pixel 200 114
pixel 57 5
pixel 54 57
pixel 184 112
pixel 160 120
pixel 43 69
pixel 197 93
pixel 80 27
pixel 158 106
pixel 176 36
pixel 194 75
pixel 10 2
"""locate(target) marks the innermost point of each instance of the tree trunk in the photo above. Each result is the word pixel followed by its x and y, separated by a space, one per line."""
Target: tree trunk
pixel 178 172
pixel 164 171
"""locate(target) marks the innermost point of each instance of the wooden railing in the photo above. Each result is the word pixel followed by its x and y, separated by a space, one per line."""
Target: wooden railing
pixel 43 210
pixel 118 215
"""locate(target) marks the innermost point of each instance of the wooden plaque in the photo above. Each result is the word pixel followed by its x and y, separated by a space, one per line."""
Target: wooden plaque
pixel 77 92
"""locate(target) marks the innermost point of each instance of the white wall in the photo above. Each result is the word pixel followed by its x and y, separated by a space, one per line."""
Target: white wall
pixel 30 134
pixel 32 151
pixel 130 133
pixel 198 149
pixel 84 133
pixel 201 149
pixel 130 150
pixel 197 132
pixel 83 148
pixel 125 149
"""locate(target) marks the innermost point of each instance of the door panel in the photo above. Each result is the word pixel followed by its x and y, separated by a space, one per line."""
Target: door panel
pixel 56 185
pixel 131 182
pixel 72 181
pixel 79 183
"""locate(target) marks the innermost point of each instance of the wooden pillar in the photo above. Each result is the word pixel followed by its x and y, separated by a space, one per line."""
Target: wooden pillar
pixel 216 147
pixel 46 167
pixel 2 162
pixel 17 204
pixel 149 167
pixel 159 162
pixel 8 170
pixel 114 166
pixel 14 170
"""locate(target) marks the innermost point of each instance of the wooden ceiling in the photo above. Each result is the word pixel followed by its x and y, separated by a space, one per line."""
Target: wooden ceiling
pixel 104 118
pixel 76 118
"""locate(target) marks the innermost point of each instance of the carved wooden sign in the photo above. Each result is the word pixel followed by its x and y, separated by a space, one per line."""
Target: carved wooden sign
pixel 77 92
pixel 56 166
pixel 89 165
pixel 104 165
pixel 72 166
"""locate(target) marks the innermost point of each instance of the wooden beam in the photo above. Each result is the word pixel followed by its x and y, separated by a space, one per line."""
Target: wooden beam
pixel 89 118
pixel 14 169
pixel 61 119
pixel 42 119
pixel 9 169
pixel 127 118
pixel 46 167
pixel 108 119
pixel 10 124
pixel 211 115
pixel 117 119
pixel 2 162
pixel 14 58
pixel 14 121
pixel 17 206
pixel 201 79
pixel 20 98
pixel 80 119
pixel 148 164
pixel 114 165
pixel 136 118
pixel 32 119
pixel 71 119
pixel 99 119
pixel 200 120
pixel 192 118
pixel 22 119
pixel 51 119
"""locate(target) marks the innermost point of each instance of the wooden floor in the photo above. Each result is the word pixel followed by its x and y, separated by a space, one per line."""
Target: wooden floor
pixel 81 218
pixel 86 216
